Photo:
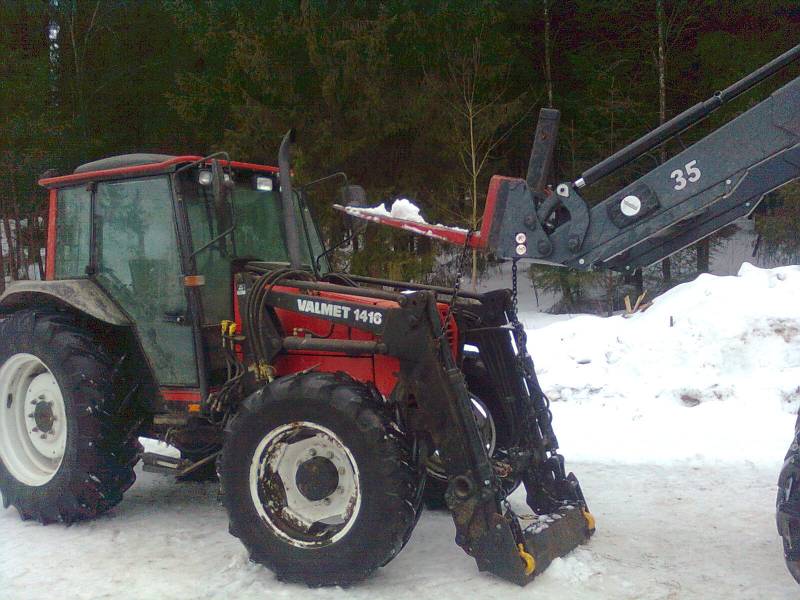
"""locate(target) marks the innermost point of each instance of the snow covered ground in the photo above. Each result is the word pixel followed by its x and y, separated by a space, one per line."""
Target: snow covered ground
pixel 675 420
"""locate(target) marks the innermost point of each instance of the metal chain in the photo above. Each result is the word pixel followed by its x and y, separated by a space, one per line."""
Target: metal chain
pixel 514 262
pixel 525 364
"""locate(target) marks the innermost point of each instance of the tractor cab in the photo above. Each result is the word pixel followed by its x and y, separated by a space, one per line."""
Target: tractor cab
pixel 162 236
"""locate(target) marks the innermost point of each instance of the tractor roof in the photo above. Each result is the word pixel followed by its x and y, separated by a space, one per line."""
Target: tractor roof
pixel 122 161
pixel 134 165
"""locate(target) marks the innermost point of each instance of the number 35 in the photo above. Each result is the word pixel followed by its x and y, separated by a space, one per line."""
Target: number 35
pixel 692 174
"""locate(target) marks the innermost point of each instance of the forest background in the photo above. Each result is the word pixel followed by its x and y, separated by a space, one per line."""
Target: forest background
pixel 425 100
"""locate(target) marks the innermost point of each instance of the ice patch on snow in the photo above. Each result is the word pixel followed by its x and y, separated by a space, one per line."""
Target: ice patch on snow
pixel 575 568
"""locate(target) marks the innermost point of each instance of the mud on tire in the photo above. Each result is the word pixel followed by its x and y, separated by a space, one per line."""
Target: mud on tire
pixel 100 449
pixel 388 483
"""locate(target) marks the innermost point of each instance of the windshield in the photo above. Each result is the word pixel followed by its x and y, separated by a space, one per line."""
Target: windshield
pixel 258 234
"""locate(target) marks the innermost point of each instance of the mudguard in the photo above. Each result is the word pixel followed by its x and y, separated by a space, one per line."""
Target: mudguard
pixel 81 294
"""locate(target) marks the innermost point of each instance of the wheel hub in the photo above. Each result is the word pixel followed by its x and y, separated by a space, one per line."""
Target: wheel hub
pixel 317 478
pixel 43 415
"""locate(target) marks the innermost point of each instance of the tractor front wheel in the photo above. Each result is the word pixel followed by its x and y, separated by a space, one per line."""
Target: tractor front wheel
pixel 318 482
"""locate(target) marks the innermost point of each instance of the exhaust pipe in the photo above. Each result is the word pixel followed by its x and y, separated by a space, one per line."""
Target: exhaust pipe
pixel 289 217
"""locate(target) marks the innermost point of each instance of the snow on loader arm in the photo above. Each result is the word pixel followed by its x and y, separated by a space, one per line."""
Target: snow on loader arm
pixel 707 186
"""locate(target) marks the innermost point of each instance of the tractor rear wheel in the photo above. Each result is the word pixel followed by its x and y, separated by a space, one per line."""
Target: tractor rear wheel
pixel 64 455
pixel 318 482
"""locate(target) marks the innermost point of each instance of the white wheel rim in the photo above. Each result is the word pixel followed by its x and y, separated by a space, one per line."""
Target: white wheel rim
pixel 302 521
pixel 33 420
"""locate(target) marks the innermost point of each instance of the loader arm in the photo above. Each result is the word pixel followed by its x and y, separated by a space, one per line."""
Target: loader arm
pixel 710 184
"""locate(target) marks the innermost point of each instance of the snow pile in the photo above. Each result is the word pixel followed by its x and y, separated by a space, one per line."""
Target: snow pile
pixel 710 372
pixel 402 208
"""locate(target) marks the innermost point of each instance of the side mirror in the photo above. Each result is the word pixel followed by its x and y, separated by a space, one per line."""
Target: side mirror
pixel 356 197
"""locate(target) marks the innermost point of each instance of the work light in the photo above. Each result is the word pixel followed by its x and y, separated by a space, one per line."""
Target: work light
pixel 263 184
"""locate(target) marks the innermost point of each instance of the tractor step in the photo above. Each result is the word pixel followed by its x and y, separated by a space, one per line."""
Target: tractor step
pixel 161 463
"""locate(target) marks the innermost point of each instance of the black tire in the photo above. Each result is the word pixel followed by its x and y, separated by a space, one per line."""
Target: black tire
pixel 387 478
pixel 100 453
pixel 480 386
pixel 789 489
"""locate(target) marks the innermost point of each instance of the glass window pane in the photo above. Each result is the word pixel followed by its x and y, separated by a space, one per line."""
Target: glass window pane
pixel 213 263
pixel 138 263
pixel 73 232
pixel 259 226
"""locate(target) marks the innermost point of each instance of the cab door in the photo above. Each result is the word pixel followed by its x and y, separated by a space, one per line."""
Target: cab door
pixel 137 262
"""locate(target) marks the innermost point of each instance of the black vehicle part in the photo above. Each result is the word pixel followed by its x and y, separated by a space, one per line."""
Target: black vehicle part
pixel 787 513
pixel 203 467
pixel 388 483
pixel 102 447
pixel 707 186
pixel 291 230
pixel 436 480
pixel 480 384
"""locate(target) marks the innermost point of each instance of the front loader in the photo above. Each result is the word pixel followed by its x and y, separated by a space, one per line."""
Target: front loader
pixel 189 299
pixel 720 178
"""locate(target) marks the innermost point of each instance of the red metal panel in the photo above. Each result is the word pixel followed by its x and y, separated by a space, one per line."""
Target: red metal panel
pixel 380 370
pixel 489 208
pixel 387 370
pixel 180 394
pixel 50 258
pixel 437 232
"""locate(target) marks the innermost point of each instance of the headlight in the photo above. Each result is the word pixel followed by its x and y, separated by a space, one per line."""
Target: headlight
pixel 204 178
pixel 262 184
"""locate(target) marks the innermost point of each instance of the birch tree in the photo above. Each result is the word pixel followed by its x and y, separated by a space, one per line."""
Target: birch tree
pixel 482 116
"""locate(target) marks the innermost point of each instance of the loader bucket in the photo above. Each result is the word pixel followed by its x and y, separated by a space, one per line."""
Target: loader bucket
pixel 552 536
pixel 546 537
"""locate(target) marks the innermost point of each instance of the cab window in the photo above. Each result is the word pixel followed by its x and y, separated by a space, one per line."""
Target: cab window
pixel 73 232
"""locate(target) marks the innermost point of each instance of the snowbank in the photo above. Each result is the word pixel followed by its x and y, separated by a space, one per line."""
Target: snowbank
pixel 710 372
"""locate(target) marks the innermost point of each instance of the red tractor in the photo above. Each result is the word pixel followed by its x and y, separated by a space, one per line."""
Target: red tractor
pixel 190 299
